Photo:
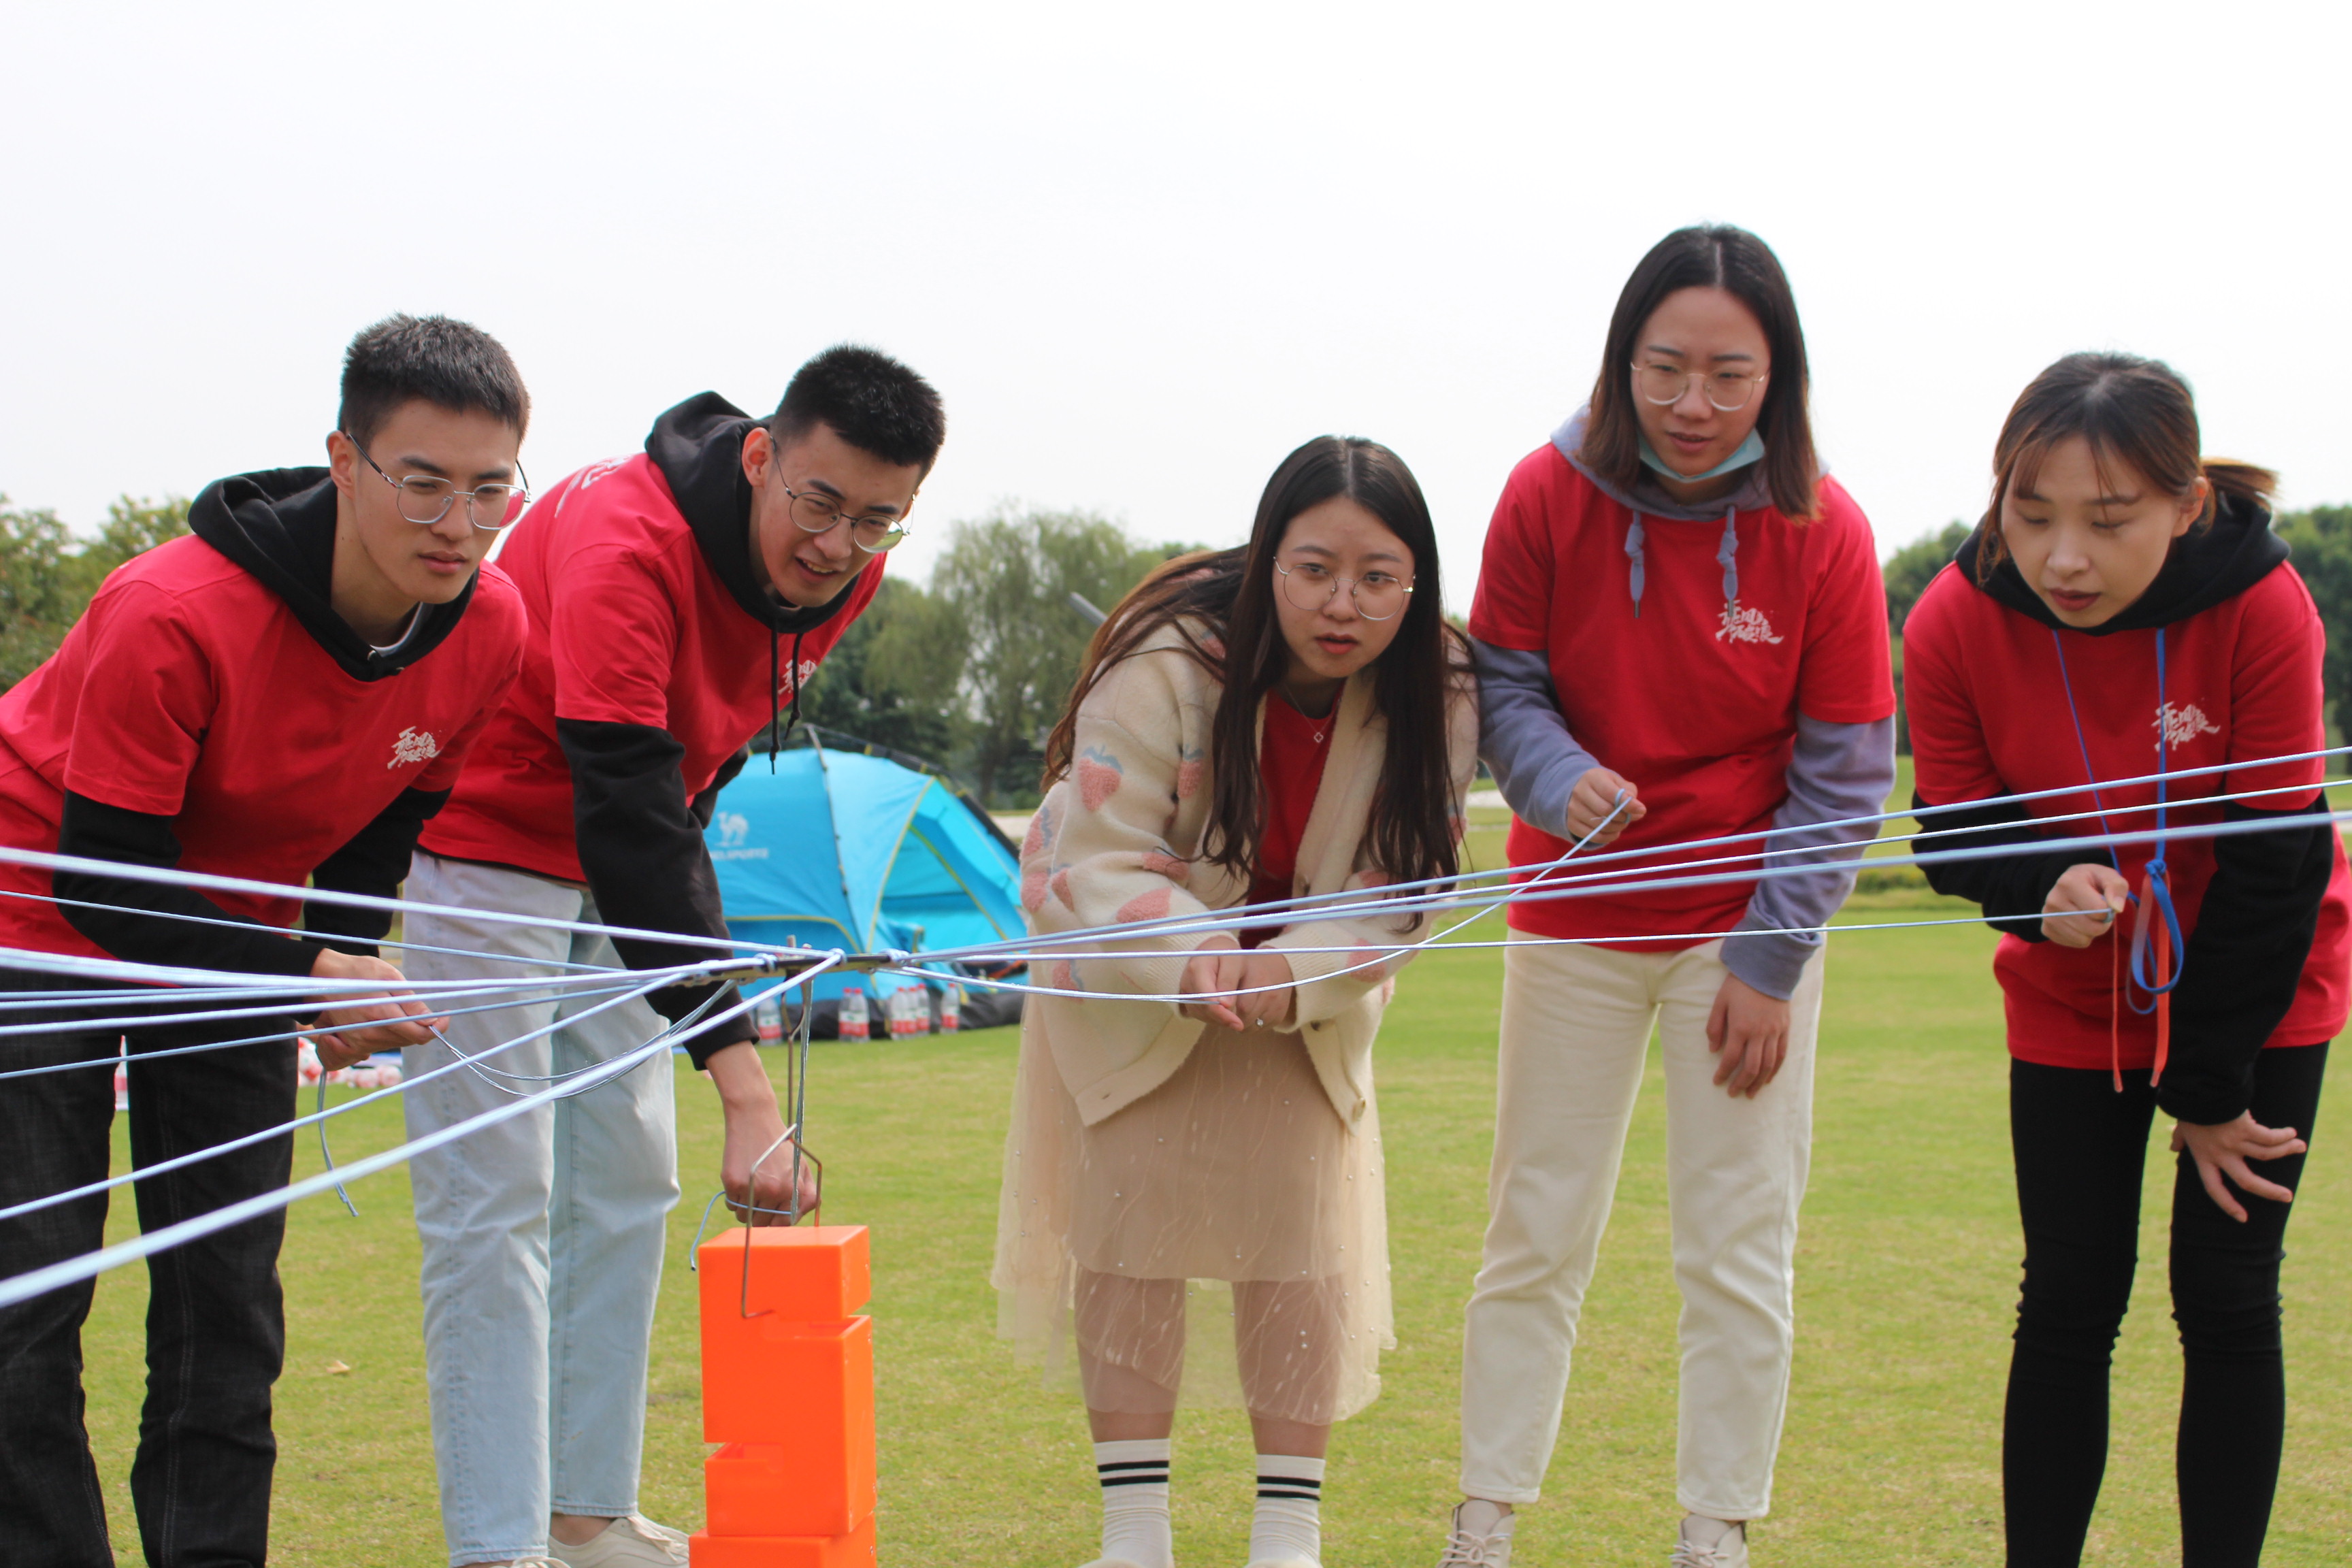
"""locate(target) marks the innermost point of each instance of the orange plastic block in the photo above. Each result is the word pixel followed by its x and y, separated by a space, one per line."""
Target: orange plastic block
pixel 803 1274
pixel 770 1489
pixel 852 1549
pixel 807 1387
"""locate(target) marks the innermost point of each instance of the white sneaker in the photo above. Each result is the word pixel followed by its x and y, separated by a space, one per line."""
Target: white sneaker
pixel 1731 1552
pixel 635 1542
pixel 1492 1550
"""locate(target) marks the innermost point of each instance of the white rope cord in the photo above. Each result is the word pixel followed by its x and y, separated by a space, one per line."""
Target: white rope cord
pixel 1850 856
pixel 299 1123
pixel 1528 893
pixel 1320 904
pixel 89 1266
pixel 297 1033
pixel 322 939
pixel 115 870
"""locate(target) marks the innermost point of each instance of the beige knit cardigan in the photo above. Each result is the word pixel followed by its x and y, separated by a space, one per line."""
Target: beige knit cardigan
pixel 1117 841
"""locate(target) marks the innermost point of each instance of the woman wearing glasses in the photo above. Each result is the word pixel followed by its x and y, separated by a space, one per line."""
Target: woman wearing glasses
pixel 1681 635
pixel 2124 608
pixel 1288 719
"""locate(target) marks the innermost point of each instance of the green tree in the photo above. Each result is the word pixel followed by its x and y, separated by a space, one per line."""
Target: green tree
pixel 40 592
pixel 1008 578
pixel 1910 569
pixel 2321 539
pixel 47 577
pixel 892 678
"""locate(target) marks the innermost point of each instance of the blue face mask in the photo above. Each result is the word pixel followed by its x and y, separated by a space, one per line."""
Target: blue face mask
pixel 1750 450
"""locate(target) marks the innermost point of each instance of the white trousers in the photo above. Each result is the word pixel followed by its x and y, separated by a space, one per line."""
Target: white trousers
pixel 542 1235
pixel 1575 1033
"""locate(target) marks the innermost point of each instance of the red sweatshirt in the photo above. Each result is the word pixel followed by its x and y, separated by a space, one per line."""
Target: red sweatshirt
pixel 193 691
pixel 628 626
pixel 1990 716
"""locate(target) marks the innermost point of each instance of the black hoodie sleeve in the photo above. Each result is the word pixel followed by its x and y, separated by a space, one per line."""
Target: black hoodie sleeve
pixel 2246 958
pixel 375 862
pixel 641 848
pixel 2010 889
pixel 157 923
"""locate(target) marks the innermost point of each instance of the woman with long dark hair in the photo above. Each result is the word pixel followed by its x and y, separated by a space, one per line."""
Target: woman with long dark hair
pixel 2123 610
pixel 1680 634
pixel 1289 719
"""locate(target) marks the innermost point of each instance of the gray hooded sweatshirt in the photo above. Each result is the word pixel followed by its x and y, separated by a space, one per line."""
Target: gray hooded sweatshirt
pixel 1836 771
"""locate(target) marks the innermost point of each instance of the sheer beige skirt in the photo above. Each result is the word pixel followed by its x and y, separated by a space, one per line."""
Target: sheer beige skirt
pixel 1222 1241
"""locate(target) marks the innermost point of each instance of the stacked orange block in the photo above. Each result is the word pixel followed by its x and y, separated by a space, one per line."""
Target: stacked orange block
pixel 789 1391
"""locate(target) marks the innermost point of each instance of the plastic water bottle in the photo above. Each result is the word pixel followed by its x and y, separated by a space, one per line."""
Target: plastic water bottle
pixel 388 1073
pixel 951 1008
pixel 853 1013
pixel 306 1064
pixel 768 1020
pixel 123 1077
pixel 902 1017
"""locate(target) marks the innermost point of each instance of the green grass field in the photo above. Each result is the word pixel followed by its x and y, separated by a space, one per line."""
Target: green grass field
pixel 1906 1285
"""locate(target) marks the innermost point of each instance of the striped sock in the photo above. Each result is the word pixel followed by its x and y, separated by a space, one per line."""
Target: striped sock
pixel 1288 1525
pixel 1135 1502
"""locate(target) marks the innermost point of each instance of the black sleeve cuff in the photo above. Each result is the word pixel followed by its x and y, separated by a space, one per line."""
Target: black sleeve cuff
pixel 2244 960
pixel 157 923
pixel 2010 889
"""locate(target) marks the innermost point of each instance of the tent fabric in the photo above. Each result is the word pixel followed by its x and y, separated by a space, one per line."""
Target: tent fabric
pixel 839 849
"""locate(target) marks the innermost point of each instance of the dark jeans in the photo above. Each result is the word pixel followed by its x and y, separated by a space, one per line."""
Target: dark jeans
pixel 2081 1150
pixel 216 1320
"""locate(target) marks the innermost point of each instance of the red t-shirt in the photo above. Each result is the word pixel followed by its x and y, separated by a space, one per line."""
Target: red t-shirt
pixel 1990 717
pixel 1693 701
pixel 191 690
pixel 629 626
pixel 1291 751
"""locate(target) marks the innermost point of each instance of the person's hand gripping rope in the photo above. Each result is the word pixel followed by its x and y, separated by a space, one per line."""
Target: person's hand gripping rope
pixel 364 1024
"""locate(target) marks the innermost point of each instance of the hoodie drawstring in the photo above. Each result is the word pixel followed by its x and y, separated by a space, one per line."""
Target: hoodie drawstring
pixel 1634 555
pixel 791 722
pixel 1727 556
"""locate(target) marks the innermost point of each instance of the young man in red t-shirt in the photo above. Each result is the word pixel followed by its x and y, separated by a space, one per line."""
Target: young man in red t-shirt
pixel 288 694
pixel 679 598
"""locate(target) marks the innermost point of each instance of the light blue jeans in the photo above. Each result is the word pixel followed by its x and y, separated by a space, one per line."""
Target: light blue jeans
pixel 542 1235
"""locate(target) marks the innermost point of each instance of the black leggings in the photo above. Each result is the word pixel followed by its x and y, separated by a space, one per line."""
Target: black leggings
pixel 2080 1151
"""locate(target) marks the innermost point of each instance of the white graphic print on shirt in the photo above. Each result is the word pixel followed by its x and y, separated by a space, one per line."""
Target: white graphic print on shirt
pixel 2182 723
pixel 1744 625
pixel 410 746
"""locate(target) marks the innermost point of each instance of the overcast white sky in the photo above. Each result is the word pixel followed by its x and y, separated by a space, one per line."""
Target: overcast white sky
pixel 1145 251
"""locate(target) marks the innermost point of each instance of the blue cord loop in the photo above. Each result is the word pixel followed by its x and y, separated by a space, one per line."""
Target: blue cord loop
pixel 2158 873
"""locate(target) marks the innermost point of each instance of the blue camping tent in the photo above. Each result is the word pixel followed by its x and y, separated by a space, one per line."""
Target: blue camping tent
pixel 840 850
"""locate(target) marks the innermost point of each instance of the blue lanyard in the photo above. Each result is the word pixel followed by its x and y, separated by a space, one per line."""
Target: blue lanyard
pixel 2160 871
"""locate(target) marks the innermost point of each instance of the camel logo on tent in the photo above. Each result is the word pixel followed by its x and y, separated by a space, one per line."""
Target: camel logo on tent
pixel 733 828
pixel 409 746
pixel 2182 723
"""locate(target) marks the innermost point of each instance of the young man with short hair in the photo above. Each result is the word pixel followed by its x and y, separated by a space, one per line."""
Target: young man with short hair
pixel 287 693
pixel 679 598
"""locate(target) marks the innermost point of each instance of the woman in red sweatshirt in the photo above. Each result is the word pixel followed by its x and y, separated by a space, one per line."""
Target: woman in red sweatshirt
pixel 2123 610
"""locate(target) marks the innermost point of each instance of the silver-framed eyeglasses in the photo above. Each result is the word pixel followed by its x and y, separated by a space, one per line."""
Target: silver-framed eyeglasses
pixel 424 499
pixel 1311 585
pixel 1728 390
pixel 813 512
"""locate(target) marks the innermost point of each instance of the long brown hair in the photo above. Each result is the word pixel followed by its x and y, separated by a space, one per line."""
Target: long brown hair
pixel 2131 411
pixel 1713 256
pixel 1221 606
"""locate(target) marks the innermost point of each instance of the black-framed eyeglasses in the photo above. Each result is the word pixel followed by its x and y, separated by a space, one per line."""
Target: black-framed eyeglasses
pixel 816 513
pixel 1310 585
pixel 424 499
